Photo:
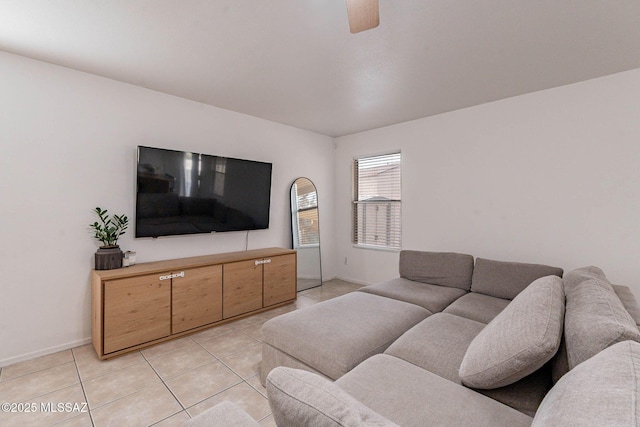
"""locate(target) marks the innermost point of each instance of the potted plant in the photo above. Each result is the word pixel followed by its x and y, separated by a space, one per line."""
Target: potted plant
pixel 108 230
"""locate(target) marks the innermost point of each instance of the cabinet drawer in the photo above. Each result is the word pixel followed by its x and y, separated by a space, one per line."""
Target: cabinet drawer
pixel 196 298
pixel 279 279
pixel 136 310
pixel 242 288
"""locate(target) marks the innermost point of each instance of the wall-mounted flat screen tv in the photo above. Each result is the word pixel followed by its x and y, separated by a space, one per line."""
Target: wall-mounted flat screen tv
pixel 180 192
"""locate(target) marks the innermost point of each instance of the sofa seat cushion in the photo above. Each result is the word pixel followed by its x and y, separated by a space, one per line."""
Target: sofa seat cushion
pixel 478 307
pixel 507 279
pixel 335 335
pixel 438 344
pixel 432 297
pixel 520 340
pixel 595 320
pixel 437 268
pixel 602 391
pixel 411 396
pixel 300 398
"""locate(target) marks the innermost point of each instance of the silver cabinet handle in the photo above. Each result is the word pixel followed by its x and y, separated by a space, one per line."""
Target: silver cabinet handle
pixel 171 276
pixel 262 261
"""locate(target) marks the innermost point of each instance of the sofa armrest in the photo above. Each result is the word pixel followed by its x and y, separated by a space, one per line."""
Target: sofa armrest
pixel 226 414
pixel 601 391
pixel 301 398
pixel 628 301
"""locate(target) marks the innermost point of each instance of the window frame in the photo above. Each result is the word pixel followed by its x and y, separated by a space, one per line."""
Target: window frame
pixel 389 220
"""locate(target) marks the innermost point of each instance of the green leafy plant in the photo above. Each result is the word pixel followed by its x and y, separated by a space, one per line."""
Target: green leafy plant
pixel 110 228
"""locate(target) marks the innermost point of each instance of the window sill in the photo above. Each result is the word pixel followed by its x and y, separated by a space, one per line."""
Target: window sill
pixel 376 248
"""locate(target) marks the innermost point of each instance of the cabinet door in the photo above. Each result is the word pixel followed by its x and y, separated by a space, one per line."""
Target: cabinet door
pixel 196 298
pixel 279 279
pixel 242 288
pixel 136 310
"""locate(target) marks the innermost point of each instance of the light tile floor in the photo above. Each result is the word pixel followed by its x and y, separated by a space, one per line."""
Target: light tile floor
pixel 163 385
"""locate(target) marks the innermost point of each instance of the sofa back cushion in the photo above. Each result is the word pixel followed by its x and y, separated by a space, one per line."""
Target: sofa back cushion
pixel 507 279
pixel 603 391
pixel 519 340
pixel 437 268
pixel 560 363
pixel 301 398
pixel 595 319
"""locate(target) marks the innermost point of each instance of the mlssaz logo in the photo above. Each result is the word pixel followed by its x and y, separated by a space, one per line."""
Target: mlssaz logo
pixel 63 407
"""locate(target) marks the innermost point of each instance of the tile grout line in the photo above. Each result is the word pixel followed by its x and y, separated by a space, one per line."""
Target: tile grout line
pixel 145 360
pixel 108 372
pixel 213 395
pixel 197 403
pixel 338 292
pixel 226 366
pixel 167 387
pixel 185 409
pixel 247 381
pixel 242 380
pixel 84 393
pixel 262 419
pixel 48 392
pixel 33 372
pixel 149 386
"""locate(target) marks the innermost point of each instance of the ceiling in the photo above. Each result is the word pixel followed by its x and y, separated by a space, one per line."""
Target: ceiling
pixel 295 61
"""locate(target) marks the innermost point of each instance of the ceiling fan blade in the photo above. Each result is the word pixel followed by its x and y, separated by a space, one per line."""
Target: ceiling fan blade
pixel 363 15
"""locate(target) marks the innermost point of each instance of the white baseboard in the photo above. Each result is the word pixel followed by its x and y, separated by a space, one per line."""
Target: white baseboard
pixel 347 279
pixel 43 352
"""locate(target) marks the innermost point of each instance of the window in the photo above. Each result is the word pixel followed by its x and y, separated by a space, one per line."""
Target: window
pixel 377 201
pixel 305 214
pixel 218 182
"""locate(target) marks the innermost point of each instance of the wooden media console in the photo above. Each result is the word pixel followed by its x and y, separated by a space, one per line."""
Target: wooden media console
pixel 142 305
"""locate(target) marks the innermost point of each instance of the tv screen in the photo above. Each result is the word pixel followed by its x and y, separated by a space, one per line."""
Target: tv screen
pixel 187 193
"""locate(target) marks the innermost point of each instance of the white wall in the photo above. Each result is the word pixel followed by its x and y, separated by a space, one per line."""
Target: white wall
pixel 550 177
pixel 68 144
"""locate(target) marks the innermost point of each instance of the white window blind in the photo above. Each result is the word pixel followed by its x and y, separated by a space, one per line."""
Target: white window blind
pixel 377 201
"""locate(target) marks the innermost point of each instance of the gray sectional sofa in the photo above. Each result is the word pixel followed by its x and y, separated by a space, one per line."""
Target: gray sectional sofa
pixel 454 342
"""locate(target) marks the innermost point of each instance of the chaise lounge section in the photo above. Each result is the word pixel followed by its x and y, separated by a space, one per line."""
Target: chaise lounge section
pixel 332 337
